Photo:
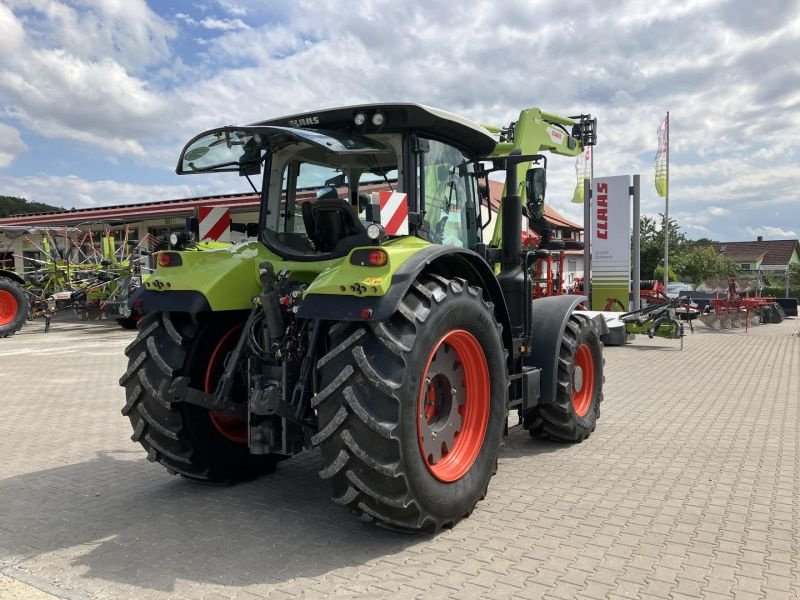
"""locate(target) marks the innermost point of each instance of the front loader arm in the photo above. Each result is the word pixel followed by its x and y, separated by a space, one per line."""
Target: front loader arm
pixel 538 131
pixel 534 132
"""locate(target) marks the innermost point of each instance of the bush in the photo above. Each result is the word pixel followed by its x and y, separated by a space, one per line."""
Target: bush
pixel 779 291
pixel 658 274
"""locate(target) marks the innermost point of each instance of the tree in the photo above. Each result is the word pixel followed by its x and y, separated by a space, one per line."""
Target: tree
pixel 794 275
pixel 651 246
pixel 11 205
pixel 703 263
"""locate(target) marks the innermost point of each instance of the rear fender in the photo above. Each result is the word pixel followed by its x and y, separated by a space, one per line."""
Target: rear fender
pixel 444 260
pixel 549 318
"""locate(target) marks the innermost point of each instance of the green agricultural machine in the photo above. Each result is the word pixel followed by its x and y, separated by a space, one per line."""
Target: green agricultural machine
pixel 370 319
pixel 73 273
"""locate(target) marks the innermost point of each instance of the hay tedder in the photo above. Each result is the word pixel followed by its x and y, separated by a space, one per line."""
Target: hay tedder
pixel 370 319
pixel 91 277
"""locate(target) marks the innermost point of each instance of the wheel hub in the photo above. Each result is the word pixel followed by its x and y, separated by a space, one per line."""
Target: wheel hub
pixel 440 417
pixel 453 406
pixel 583 380
pixel 577 378
pixel 231 428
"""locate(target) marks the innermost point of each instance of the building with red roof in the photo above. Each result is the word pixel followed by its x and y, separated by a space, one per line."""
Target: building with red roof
pixel 161 217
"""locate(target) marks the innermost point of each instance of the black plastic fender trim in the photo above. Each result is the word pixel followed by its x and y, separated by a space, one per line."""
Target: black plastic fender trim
pixel 12 276
pixel 173 301
pixel 549 318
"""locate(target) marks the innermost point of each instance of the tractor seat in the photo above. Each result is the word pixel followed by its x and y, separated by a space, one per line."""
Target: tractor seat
pixel 329 222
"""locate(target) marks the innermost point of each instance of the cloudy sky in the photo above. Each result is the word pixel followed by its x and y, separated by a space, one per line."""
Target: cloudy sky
pixel 97 97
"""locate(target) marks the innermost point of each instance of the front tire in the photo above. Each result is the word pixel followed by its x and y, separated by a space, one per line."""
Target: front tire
pixel 573 414
pixel 172 352
pixel 13 307
pixel 412 410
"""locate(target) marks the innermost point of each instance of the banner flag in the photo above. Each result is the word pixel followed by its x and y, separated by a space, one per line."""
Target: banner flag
pixel 660 162
pixel 583 171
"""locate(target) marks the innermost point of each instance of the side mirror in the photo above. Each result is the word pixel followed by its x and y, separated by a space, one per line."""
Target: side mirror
pixel 337 181
pixel 535 185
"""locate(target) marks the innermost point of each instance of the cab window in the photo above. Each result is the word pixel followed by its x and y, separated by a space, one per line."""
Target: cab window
pixel 450 191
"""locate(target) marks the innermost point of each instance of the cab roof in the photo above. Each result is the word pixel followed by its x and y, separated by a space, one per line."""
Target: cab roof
pixel 398 117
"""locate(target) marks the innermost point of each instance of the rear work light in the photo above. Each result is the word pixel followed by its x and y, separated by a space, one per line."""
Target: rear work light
pixel 169 259
pixel 369 258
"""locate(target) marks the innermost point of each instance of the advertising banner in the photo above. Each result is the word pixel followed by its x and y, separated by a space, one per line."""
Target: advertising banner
pixel 611 243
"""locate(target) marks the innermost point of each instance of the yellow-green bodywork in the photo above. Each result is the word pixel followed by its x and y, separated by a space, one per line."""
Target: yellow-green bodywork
pixel 227 276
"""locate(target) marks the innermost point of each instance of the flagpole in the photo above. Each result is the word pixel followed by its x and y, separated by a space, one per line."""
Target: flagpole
pixel 666 215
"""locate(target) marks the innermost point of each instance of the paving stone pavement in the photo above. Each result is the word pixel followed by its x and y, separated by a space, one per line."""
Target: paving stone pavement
pixel 688 489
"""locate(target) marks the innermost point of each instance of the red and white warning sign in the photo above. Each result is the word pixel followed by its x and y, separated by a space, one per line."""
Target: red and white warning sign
pixel 215 223
pixel 394 212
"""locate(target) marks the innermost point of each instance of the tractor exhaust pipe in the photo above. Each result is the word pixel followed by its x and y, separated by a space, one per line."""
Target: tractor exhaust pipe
pixel 512 216
pixel 512 278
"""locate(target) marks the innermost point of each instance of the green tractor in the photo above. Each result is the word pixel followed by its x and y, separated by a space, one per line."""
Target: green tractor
pixel 370 319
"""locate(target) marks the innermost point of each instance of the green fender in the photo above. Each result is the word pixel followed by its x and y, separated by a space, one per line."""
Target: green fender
pixel 448 261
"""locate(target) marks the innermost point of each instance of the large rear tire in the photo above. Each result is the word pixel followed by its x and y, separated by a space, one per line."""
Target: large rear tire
pixel 13 307
pixel 412 410
pixel 573 414
pixel 174 351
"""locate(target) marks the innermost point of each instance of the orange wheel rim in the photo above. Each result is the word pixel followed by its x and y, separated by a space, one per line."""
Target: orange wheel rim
pixel 8 307
pixel 453 406
pixel 228 427
pixel 583 380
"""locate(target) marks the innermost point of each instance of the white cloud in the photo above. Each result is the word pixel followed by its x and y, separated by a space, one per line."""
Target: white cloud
pixel 185 18
pixel 12 32
pixel 718 211
pixel 772 232
pixel 224 24
pixel 725 70
pixel 11 144
pixel 127 31
pixel 234 9
pixel 61 96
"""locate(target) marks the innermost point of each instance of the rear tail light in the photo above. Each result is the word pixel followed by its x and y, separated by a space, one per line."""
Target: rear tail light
pixel 369 258
pixel 169 259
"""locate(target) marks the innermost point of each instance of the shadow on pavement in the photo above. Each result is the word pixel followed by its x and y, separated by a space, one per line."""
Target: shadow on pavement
pixel 140 526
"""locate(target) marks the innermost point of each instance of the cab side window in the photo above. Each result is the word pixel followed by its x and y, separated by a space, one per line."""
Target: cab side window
pixel 450 195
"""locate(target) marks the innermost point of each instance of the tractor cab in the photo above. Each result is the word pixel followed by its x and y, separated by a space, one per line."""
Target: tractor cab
pixel 323 176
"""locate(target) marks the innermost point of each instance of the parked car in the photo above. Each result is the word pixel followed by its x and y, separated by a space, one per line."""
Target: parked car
pixel 678 288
